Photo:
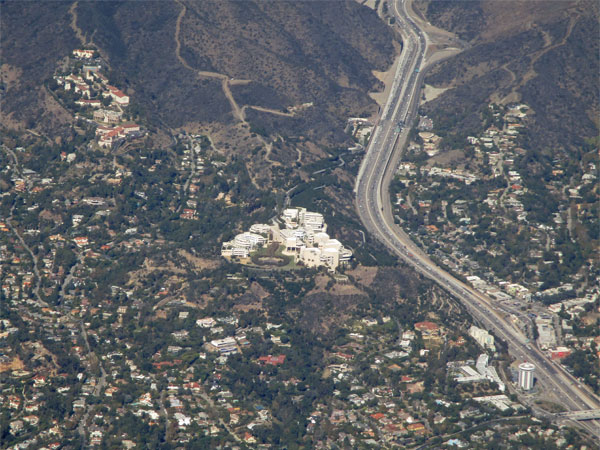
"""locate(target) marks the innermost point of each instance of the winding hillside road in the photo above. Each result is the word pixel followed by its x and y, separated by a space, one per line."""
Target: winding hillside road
pixel 374 208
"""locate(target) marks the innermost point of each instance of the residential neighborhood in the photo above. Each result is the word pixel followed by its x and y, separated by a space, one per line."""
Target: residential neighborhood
pixel 154 294
pixel 486 218
pixel 100 103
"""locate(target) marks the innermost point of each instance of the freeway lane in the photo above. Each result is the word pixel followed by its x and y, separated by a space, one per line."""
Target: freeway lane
pixel 374 208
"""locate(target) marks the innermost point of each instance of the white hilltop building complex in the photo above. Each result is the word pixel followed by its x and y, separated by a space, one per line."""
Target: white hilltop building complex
pixel 301 233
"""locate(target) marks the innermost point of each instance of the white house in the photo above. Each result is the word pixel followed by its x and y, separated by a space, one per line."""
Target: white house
pixel 84 54
pixel 207 322
pixel 119 97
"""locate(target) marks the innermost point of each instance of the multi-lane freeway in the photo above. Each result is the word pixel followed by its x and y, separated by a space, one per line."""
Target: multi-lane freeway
pixel 374 208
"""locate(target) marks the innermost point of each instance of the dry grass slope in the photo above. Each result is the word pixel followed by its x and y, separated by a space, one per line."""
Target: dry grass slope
pixel 542 53
pixel 214 63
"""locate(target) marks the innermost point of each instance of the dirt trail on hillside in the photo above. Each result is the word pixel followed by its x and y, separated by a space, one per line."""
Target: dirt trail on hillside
pixel 513 77
pixel 226 81
pixel 202 73
pixel 74 27
pixel 177 41
pixel 270 111
pixel 531 73
pixel 268 149
pixel 184 63
pixel 266 110
pixel 237 111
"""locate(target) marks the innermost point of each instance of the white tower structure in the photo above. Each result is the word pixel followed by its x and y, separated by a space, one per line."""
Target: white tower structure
pixel 526 373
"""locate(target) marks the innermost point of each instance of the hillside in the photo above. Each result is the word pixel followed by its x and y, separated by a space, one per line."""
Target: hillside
pixel 30 53
pixel 192 64
pixel 545 55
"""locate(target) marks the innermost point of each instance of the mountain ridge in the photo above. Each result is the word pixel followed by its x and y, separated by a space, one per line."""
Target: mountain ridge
pixel 292 53
pixel 545 58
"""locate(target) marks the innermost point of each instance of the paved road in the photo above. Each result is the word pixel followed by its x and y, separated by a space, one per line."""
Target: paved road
pixel 34 258
pixel 374 208
pixel 38 280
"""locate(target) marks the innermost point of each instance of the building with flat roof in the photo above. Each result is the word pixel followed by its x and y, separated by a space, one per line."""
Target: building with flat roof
pixel 560 352
pixel 260 228
pixel 305 237
pixel 546 334
pixel 225 346
pixel 483 338
pixel 302 235
pixel 243 244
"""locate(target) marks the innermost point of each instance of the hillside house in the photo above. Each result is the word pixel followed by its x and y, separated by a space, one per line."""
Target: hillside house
pixel 271 360
pixel 107 115
pixel 83 54
pixel 109 138
pixel 427 328
pixel 94 103
pixel 118 96
pixel 83 89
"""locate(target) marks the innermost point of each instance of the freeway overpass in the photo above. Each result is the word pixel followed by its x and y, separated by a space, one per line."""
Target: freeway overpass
pixel 374 208
pixel 590 414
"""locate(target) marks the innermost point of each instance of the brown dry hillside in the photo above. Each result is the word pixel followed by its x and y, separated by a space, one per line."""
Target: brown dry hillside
pixel 34 37
pixel 178 58
pixel 541 53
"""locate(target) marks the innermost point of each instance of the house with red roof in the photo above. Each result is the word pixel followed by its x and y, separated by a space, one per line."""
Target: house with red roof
pixel 39 380
pixel 119 97
pixel 101 77
pixel 83 89
pixel 378 416
pixel 188 214
pixel 427 327
pixel 81 241
pixel 108 139
pixel 130 128
pixel 272 360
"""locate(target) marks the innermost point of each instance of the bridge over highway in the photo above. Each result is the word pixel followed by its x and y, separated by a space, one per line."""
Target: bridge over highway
pixel 590 414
